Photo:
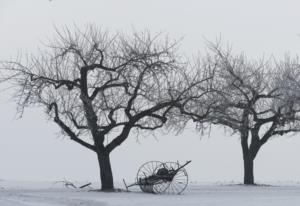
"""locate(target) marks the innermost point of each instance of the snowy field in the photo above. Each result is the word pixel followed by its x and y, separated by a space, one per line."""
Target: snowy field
pixel 49 194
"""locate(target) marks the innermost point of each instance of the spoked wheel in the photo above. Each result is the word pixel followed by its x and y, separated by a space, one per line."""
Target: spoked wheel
pixel 145 171
pixel 179 182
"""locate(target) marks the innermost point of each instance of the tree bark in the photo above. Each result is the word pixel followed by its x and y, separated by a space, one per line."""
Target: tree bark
pixel 248 171
pixel 107 183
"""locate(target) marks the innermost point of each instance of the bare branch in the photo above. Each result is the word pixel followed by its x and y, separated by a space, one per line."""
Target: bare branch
pixel 66 129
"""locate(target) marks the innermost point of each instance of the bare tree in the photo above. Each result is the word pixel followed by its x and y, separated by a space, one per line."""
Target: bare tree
pixel 252 100
pixel 98 88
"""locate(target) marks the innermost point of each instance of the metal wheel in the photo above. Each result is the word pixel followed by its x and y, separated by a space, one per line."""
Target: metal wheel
pixel 179 182
pixel 146 170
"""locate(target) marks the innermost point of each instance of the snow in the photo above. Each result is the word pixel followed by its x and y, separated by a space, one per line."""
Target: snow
pixel 16 193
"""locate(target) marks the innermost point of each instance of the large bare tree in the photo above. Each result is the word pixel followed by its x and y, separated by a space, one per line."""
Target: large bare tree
pixel 254 100
pixel 98 87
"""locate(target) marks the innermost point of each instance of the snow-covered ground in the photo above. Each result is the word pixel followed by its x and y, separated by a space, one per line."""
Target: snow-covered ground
pixel 14 193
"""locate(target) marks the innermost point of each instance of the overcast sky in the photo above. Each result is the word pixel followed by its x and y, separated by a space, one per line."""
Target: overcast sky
pixel 30 148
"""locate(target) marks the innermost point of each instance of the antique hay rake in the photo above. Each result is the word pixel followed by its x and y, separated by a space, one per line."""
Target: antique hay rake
pixel 161 177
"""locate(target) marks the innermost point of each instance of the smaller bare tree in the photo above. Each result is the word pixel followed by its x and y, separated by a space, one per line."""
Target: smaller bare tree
pixel 252 101
pixel 101 86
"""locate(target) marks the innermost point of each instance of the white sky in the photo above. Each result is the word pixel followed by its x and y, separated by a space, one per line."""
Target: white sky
pixel 30 148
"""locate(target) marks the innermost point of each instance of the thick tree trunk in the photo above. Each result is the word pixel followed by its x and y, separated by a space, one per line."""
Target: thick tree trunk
pixel 107 183
pixel 248 171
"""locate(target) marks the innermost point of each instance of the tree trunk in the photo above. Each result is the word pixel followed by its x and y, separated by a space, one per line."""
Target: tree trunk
pixel 107 183
pixel 248 171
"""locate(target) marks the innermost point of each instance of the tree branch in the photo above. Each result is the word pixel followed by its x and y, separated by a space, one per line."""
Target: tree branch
pixel 67 130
